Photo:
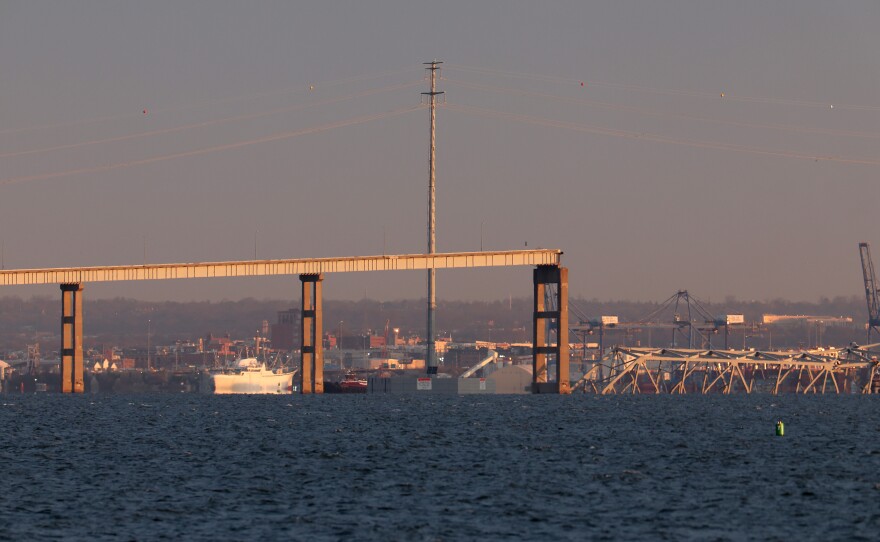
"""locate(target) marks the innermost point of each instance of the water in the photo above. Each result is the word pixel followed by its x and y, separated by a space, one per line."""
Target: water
pixel 327 467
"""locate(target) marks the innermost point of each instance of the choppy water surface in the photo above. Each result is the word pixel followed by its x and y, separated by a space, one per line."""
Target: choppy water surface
pixel 439 468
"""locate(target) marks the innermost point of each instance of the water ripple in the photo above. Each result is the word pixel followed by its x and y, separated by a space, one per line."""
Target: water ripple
pixel 439 468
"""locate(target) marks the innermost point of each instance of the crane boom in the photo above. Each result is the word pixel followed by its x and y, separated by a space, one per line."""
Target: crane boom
pixel 871 294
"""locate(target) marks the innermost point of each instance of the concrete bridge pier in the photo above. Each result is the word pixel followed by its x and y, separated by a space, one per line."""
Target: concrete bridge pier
pixel 312 357
pixel 72 380
pixel 310 272
pixel 544 276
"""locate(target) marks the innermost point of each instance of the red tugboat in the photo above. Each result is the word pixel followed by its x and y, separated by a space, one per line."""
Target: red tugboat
pixel 352 384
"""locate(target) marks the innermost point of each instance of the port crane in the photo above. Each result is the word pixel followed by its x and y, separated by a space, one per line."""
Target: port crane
pixel 385 344
pixel 691 323
pixel 871 294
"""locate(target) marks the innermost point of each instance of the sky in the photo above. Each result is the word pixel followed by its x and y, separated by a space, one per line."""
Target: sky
pixel 726 148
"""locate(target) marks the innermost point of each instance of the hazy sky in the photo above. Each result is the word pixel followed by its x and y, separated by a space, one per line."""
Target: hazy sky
pixel 646 176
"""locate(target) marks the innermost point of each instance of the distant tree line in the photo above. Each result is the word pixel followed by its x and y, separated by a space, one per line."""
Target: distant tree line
pixel 126 322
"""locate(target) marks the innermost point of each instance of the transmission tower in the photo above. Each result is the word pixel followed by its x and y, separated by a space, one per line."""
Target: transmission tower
pixel 430 351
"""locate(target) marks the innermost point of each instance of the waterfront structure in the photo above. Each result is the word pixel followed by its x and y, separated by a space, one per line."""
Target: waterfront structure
pixel 791 319
pixel 548 276
pixel 852 369
pixel 872 295
pixel 512 379
pixel 284 333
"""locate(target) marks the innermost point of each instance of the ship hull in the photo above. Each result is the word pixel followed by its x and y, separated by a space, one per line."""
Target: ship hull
pixel 253 382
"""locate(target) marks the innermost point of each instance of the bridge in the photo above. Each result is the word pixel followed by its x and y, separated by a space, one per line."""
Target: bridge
pixel 852 369
pixel 548 276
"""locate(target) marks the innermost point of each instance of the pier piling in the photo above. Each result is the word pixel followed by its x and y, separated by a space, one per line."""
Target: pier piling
pixel 544 276
pixel 72 379
pixel 312 357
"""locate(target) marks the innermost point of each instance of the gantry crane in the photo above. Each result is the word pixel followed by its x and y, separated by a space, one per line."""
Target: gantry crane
pixel 691 322
pixel 870 290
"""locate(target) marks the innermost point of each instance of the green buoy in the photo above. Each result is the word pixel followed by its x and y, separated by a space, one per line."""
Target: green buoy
pixel 780 428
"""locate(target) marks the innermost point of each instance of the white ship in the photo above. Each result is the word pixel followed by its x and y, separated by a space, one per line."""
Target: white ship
pixel 252 376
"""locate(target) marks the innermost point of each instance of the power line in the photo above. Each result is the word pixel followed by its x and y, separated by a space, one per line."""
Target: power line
pixel 659 138
pixel 655 113
pixel 214 122
pixel 666 91
pixel 298 89
pixel 207 150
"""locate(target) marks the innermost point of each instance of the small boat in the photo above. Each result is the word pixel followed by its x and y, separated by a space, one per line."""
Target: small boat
pixel 352 384
pixel 251 376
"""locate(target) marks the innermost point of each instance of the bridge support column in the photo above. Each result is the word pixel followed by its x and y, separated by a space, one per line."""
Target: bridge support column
pixel 545 275
pixel 72 380
pixel 312 357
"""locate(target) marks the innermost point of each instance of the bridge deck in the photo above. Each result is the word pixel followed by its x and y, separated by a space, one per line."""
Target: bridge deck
pixel 253 268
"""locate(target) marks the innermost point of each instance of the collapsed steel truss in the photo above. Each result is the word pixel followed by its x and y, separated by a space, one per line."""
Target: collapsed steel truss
pixel 678 371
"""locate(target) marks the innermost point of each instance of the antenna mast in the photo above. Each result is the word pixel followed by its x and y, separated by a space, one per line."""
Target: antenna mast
pixel 430 349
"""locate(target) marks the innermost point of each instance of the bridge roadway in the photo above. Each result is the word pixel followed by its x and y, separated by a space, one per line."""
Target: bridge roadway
pixel 547 273
pixel 254 268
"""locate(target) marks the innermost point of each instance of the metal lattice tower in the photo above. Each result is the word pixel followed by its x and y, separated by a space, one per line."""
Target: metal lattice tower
pixel 430 349
pixel 691 320
pixel 871 294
